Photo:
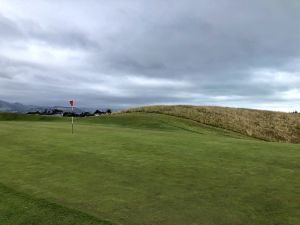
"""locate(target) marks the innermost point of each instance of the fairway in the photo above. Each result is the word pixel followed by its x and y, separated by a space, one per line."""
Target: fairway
pixel 143 169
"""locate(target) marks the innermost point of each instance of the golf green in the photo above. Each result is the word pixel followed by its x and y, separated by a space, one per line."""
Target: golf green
pixel 140 168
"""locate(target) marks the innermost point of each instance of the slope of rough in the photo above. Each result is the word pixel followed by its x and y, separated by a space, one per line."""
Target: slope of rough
pixel 266 125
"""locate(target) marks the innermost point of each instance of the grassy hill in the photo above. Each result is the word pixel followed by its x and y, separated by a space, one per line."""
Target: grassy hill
pixel 142 168
pixel 266 125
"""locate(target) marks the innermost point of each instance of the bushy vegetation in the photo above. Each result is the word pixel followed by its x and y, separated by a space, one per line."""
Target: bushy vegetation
pixel 87 114
pixel 56 112
pixel 266 125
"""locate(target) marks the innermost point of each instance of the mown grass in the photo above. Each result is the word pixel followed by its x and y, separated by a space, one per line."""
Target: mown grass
pixel 28 117
pixel 144 168
pixel 21 209
pixel 266 125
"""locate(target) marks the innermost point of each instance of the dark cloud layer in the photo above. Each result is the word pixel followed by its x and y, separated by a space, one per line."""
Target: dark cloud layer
pixel 122 53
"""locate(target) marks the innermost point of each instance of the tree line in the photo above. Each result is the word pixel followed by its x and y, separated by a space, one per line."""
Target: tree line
pixel 52 112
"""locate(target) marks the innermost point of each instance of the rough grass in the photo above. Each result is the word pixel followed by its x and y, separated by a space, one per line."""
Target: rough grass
pixel 266 125
pixel 145 168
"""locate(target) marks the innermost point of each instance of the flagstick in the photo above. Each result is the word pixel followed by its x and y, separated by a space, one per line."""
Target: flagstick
pixel 72 121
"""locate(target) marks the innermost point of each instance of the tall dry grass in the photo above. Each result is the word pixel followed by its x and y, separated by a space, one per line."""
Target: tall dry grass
pixel 266 125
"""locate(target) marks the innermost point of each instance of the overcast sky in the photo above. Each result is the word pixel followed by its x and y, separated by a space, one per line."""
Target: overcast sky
pixel 121 53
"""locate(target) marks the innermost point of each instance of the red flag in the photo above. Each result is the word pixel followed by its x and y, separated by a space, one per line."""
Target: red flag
pixel 71 103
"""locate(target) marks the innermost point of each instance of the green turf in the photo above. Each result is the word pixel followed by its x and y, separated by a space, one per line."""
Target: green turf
pixel 144 169
pixel 18 208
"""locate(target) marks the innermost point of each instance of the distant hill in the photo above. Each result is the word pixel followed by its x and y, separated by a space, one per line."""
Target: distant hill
pixel 20 108
pixel 13 107
pixel 266 125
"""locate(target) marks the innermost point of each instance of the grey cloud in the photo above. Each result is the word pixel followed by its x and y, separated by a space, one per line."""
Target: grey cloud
pixel 6 75
pixel 238 36
pixel 27 30
pixel 64 38
pixel 217 47
pixel 8 28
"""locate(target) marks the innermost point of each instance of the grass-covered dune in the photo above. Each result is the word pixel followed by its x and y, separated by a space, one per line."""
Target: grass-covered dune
pixel 140 169
pixel 266 125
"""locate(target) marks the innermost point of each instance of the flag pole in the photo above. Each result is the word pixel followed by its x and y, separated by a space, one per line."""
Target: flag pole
pixel 72 106
pixel 72 121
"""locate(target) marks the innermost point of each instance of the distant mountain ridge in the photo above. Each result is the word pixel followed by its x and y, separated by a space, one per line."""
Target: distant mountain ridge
pixel 21 108
pixel 13 107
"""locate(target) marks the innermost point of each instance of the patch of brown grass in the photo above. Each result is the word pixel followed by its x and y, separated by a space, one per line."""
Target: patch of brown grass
pixel 266 125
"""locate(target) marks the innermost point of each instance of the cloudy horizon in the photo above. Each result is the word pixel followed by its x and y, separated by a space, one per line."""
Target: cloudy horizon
pixel 136 52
